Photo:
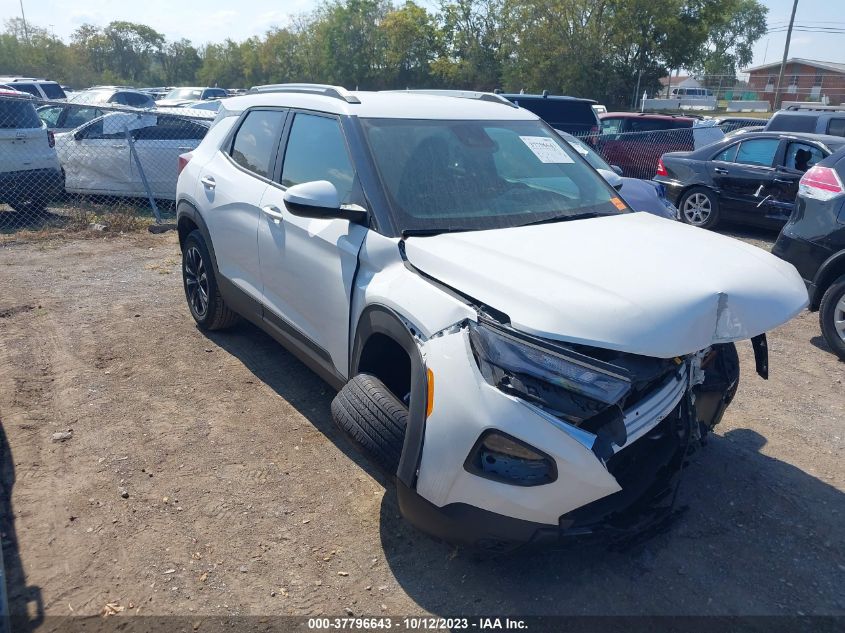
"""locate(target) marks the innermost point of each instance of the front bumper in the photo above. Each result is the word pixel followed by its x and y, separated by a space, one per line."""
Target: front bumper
pixel 645 500
pixel 632 489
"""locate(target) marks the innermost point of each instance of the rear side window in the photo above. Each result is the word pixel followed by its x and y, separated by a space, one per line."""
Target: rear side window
pixel 28 88
pixel 50 115
pixel 611 126
pixel 836 127
pixel 316 150
pixel 18 114
pixel 792 123
pixel 77 116
pixel 255 143
pixel 727 155
pixel 758 152
pixel 801 156
pixel 53 90
pixel 171 129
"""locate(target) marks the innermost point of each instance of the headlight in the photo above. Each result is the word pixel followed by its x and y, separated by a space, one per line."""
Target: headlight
pixel 506 361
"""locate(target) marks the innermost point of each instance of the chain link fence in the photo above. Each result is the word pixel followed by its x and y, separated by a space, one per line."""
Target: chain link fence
pixel 79 166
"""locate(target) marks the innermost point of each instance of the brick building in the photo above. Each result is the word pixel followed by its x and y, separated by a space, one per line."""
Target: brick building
pixel 803 80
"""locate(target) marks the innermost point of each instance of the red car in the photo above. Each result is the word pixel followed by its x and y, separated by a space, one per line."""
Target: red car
pixel 635 141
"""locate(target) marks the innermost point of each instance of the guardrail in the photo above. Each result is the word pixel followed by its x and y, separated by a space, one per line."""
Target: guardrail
pixel 748 106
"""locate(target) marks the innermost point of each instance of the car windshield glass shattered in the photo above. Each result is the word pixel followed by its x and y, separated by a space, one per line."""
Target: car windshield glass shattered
pixel 473 175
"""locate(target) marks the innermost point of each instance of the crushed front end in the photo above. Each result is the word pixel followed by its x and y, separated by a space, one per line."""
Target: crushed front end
pixel 555 439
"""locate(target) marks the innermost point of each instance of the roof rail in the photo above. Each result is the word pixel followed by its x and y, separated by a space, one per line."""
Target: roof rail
pixel 812 107
pixel 337 92
pixel 461 94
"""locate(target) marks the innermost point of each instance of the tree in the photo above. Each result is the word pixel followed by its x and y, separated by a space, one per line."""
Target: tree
pixel 349 42
pixel 474 42
pixel 180 61
pixel 131 48
pixel 735 25
pixel 412 41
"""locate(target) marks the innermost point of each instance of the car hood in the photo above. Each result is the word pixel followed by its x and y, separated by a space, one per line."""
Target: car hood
pixel 633 282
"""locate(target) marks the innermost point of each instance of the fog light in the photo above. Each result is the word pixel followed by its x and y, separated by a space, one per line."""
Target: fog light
pixel 504 458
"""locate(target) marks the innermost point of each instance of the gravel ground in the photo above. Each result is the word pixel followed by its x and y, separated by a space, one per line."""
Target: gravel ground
pixel 204 475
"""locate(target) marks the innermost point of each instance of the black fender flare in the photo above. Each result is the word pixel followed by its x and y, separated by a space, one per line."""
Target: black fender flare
pixel 185 209
pixel 831 268
pixel 379 319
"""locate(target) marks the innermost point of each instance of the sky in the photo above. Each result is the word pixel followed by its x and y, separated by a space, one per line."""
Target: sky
pixel 215 20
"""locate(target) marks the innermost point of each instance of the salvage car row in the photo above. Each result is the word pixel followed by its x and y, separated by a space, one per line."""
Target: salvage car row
pixel 106 152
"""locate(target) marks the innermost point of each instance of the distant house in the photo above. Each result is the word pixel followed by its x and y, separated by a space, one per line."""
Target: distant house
pixel 803 80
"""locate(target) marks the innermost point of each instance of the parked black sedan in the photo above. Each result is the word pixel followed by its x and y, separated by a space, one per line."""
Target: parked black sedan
pixel 751 178
pixel 814 242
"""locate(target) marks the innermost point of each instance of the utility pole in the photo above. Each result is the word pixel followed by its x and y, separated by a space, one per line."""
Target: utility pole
pixel 25 30
pixel 785 54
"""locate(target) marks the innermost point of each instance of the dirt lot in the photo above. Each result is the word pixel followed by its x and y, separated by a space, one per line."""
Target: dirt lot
pixel 204 474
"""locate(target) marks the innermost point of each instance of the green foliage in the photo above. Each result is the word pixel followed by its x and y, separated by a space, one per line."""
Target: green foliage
pixel 610 50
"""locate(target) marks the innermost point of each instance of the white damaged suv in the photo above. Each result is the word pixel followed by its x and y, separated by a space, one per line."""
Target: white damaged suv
pixel 528 357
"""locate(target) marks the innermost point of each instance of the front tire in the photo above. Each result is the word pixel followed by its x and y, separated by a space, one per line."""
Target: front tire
pixel 832 316
pixel 201 289
pixel 373 418
pixel 699 207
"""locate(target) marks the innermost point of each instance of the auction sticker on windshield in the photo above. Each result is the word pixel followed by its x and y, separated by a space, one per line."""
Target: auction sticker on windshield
pixel 546 149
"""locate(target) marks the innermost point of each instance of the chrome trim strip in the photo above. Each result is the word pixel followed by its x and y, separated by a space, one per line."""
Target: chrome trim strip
pixel 647 414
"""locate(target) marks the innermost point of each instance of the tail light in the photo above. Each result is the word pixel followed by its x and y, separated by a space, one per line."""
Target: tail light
pixel 661 168
pixel 51 138
pixel 594 135
pixel 182 162
pixel 820 183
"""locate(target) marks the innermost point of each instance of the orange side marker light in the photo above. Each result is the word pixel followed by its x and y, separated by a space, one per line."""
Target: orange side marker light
pixel 429 407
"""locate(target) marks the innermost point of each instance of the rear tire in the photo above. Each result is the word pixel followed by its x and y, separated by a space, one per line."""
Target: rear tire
pixel 201 289
pixel 699 207
pixel 832 316
pixel 373 418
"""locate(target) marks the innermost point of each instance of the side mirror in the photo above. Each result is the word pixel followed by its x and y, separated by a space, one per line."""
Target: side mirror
pixel 612 178
pixel 319 199
pixel 77 136
pixel 617 169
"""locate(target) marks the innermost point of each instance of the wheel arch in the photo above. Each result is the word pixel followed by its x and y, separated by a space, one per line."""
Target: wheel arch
pixel 381 337
pixel 188 219
pixel 830 270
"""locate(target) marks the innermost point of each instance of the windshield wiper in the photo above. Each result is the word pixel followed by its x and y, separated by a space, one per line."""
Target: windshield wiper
pixel 566 218
pixel 433 231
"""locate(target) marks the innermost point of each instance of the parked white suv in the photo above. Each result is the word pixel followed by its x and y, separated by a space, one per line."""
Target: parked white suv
pixel 30 175
pixel 527 356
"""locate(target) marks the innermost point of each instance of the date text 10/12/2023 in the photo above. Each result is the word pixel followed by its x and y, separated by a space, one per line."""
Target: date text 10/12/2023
pixel 416 623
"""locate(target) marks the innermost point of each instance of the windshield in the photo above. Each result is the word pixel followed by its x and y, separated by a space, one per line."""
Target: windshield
pixel 184 93
pixel 596 161
pixel 474 175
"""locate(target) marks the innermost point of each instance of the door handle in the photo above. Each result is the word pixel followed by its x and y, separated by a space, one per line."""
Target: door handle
pixel 185 148
pixel 208 182
pixel 273 212
pixel 117 146
pixel 719 170
pixel 781 181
